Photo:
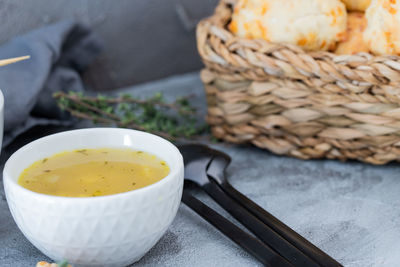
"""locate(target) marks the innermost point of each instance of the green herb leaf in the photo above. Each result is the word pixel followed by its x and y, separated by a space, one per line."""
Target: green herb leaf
pixel 63 263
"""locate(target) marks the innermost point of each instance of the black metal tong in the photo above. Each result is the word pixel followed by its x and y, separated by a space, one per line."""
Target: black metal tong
pixel 277 244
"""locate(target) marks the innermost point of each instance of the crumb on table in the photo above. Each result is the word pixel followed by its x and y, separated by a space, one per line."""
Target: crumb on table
pixel 47 264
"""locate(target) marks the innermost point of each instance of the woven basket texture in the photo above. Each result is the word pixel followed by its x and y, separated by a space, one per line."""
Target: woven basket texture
pixel 303 104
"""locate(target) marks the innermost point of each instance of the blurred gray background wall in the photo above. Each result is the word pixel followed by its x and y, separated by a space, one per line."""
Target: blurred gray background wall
pixel 144 39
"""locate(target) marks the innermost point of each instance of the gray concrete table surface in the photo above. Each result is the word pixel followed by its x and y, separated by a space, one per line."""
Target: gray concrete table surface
pixel 350 210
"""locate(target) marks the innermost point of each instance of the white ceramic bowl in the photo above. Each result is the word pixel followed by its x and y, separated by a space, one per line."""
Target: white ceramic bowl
pixel 114 230
pixel 1 117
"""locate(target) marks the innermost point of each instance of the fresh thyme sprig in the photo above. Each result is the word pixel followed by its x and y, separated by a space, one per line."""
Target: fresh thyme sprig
pixel 173 121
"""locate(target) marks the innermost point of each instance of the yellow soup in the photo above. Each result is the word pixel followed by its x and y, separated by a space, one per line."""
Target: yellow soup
pixel 93 172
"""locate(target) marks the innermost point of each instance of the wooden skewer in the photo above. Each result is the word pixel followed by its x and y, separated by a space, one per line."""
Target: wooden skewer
pixel 4 62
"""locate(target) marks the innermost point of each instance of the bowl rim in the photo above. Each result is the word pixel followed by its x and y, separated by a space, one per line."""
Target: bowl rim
pixel 174 172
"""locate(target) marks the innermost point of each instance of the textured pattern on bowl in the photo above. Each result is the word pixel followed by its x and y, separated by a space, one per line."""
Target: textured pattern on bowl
pixel 113 230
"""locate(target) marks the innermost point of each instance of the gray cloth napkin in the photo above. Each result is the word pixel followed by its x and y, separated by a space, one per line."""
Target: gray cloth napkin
pixel 59 53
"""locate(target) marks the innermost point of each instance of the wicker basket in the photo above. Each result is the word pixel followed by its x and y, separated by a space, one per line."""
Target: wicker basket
pixel 303 104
